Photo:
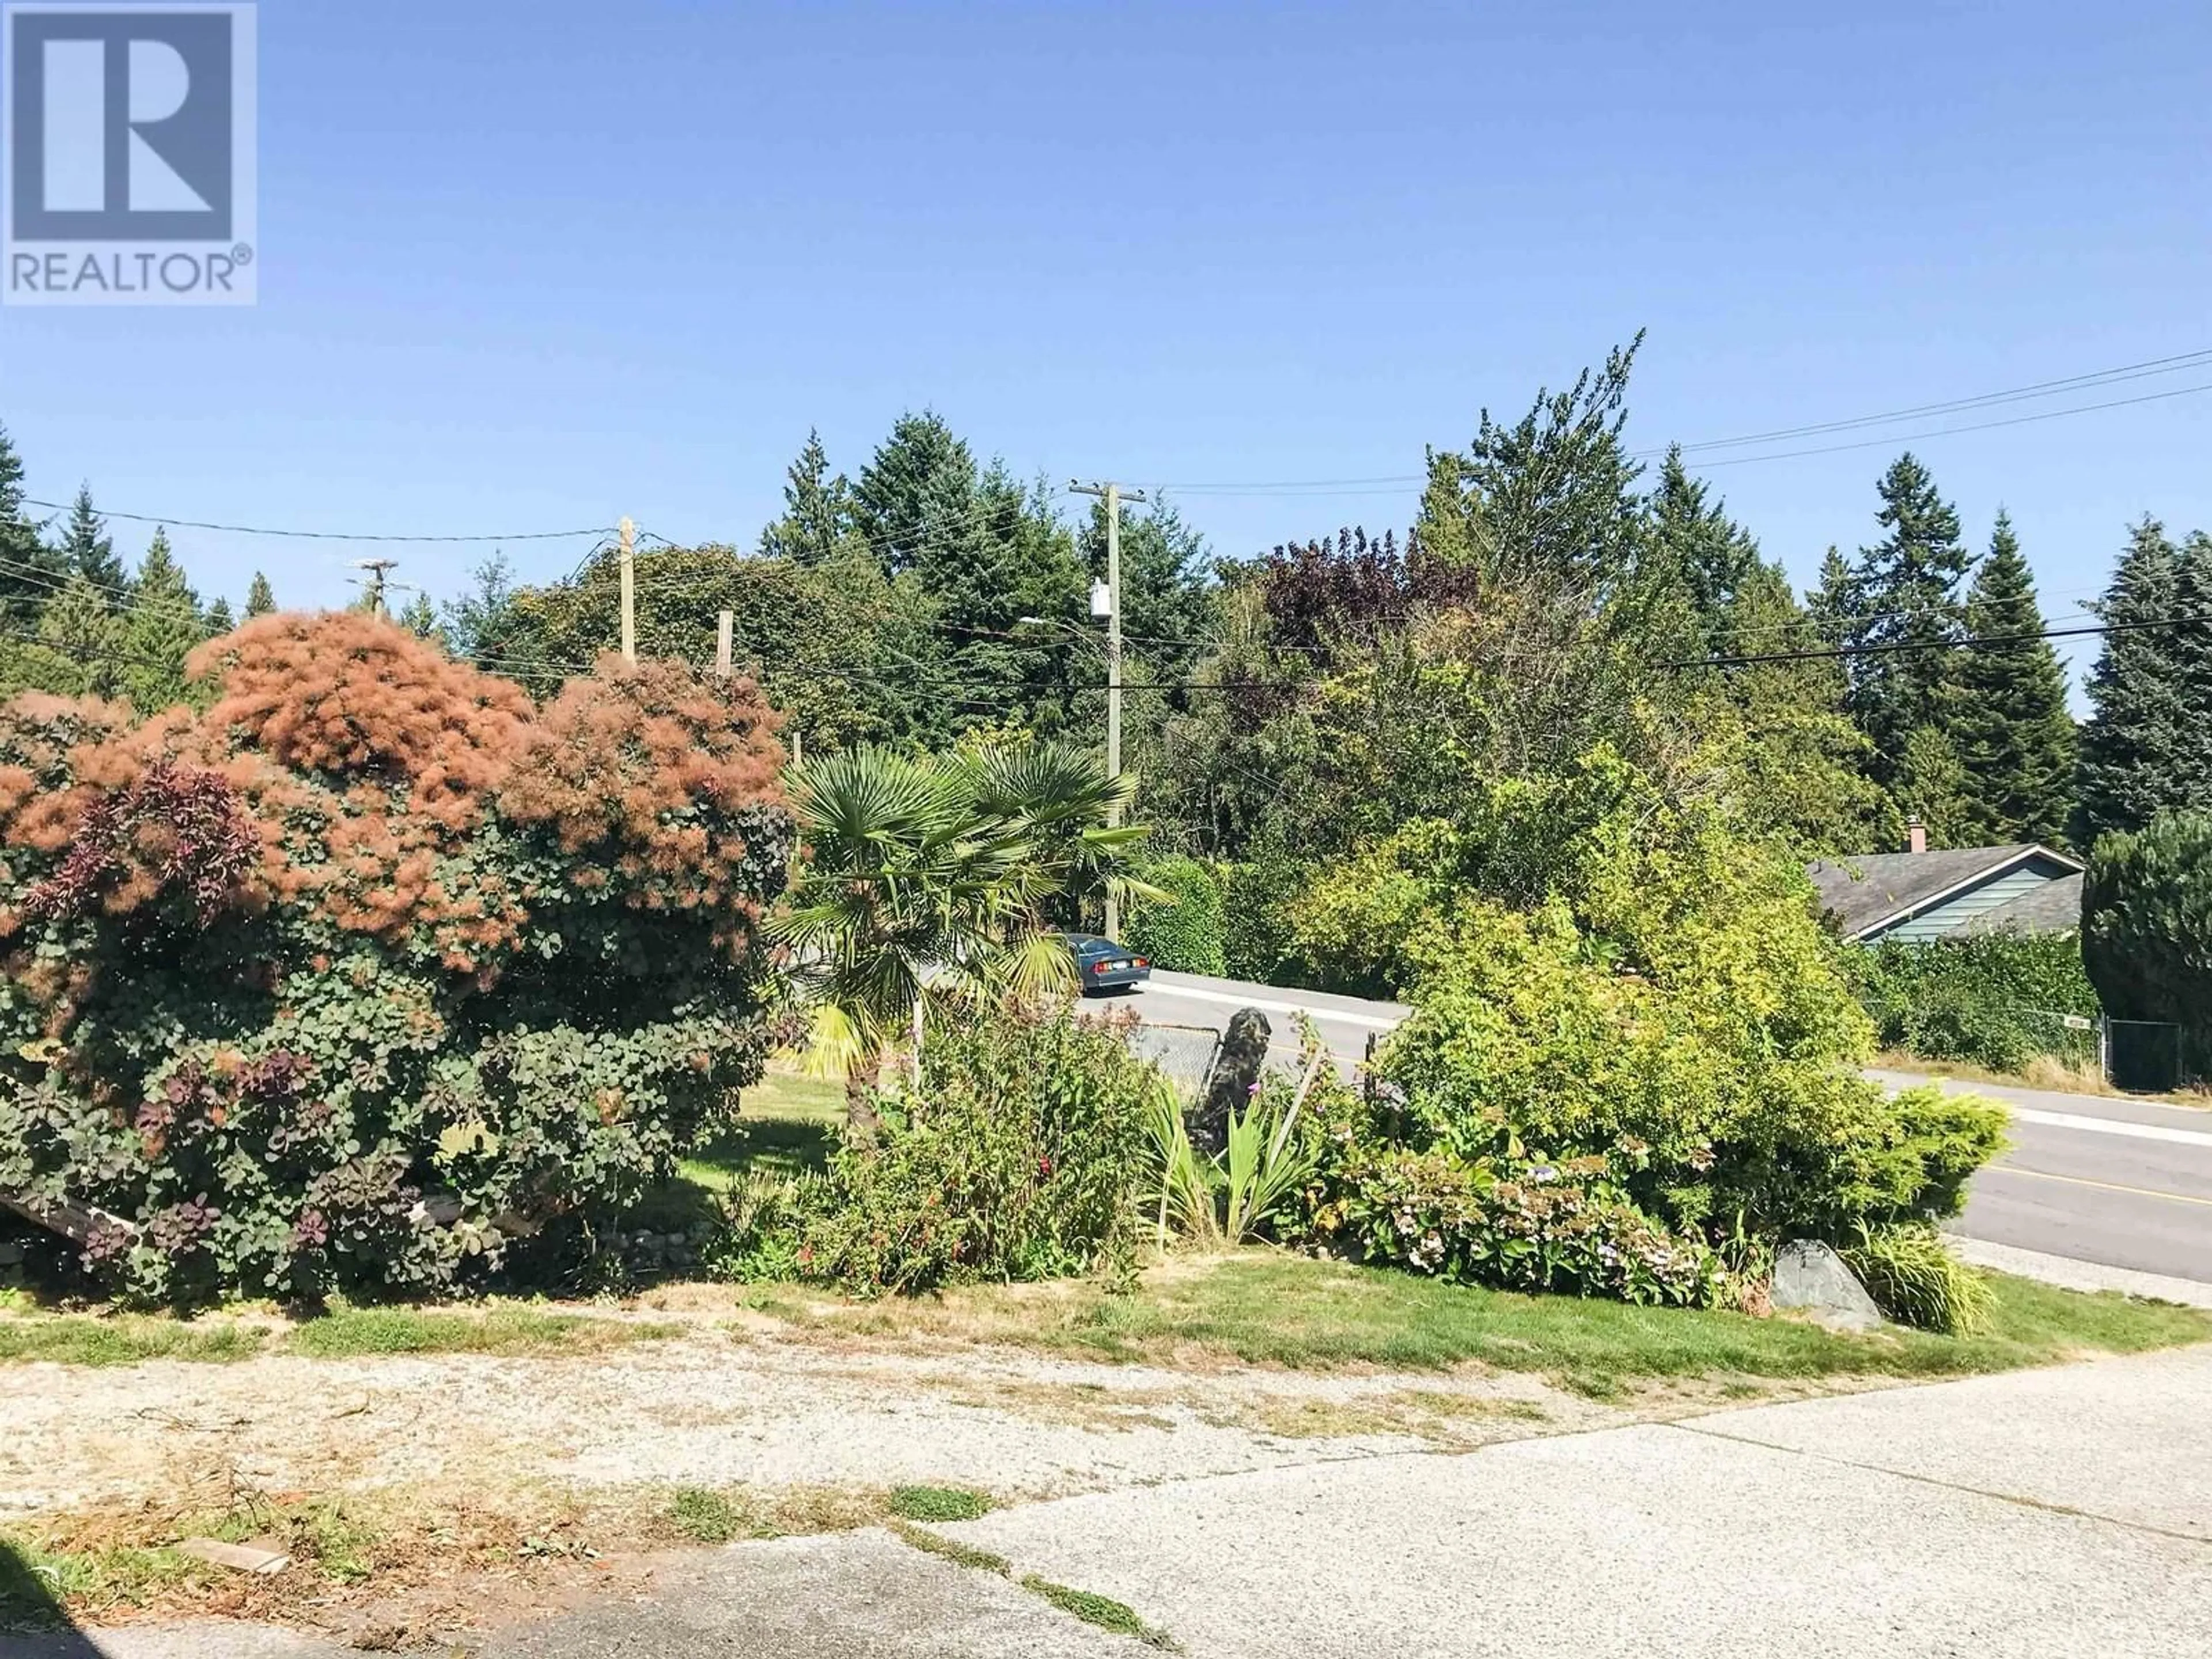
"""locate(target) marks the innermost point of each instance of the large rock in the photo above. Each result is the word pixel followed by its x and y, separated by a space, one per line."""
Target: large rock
pixel 1809 1275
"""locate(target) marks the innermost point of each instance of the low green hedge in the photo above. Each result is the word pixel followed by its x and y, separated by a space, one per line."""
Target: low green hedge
pixel 1185 935
pixel 1992 1000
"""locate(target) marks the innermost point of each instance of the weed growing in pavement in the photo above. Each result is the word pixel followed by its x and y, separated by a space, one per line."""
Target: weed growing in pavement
pixel 1102 1611
pixel 939 1504
pixel 705 1516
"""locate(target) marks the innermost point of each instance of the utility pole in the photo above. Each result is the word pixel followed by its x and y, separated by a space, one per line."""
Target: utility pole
pixel 629 590
pixel 374 582
pixel 722 628
pixel 1113 495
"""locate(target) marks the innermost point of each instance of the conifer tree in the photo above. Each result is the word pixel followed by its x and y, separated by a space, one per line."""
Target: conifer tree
pixel 87 548
pixel 1904 599
pixel 219 621
pixel 420 617
pixel 81 646
pixel 817 509
pixel 162 625
pixel 260 598
pixel 1691 536
pixel 1931 783
pixel 916 493
pixel 2014 737
pixel 30 570
pixel 1828 606
pixel 1797 764
pixel 2148 745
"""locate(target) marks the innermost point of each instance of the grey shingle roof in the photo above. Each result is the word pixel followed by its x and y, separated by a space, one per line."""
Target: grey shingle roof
pixel 1870 888
pixel 2053 907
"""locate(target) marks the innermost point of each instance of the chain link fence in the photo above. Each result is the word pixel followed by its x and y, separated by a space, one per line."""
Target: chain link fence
pixel 1183 1054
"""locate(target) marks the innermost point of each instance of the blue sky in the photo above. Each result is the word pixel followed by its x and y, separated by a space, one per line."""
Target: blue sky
pixel 531 265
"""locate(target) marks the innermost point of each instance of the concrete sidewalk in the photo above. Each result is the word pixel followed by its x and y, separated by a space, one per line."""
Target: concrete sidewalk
pixel 2059 1513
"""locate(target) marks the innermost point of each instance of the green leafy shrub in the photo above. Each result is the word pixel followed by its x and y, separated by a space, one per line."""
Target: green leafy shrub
pixel 1993 999
pixel 373 967
pixel 1913 1275
pixel 1019 1159
pixel 1633 1040
pixel 1255 928
pixel 1185 935
pixel 2147 927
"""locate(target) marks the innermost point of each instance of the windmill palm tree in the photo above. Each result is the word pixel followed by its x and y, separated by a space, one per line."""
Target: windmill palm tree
pixel 938 877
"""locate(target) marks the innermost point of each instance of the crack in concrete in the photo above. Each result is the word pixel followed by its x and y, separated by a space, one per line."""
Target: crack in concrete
pixel 2025 1502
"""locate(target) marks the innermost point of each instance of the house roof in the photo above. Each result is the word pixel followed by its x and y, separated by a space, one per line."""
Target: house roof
pixel 2053 907
pixel 1863 892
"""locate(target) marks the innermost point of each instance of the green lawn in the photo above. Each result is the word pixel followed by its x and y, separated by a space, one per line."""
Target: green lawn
pixel 1264 1308
pixel 353 1333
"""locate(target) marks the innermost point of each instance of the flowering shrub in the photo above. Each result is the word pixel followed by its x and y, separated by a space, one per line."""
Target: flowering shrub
pixel 371 968
pixel 1535 1227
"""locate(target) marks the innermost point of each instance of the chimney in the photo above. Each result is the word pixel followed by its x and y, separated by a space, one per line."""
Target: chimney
pixel 1916 835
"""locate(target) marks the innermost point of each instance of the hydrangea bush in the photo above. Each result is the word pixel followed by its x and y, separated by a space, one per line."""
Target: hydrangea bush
pixel 373 966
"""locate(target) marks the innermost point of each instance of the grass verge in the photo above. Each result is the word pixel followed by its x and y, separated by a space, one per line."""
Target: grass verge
pixel 126 1340
pixel 1268 1308
pixel 355 1332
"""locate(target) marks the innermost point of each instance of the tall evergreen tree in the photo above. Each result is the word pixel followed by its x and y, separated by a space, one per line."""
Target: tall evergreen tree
pixel 817 509
pixel 2015 738
pixel 219 621
pixel 1797 765
pixel 2148 745
pixel 1829 606
pixel 81 633
pixel 1905 598
pixel 30 570
pixel 87 548
pixel 260 598
pixel 1691 534
pixel 1931 784
pixel 162 625
pixel 917 492
pixel 1549 500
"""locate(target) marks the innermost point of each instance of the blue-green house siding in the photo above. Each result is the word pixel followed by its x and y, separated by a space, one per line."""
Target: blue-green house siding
pixel 1947 915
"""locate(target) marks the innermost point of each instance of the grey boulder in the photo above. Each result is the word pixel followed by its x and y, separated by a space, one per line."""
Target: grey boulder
pixel 1809 1275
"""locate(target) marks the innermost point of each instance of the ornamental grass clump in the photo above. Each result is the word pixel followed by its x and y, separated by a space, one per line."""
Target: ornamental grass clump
pixel 374 967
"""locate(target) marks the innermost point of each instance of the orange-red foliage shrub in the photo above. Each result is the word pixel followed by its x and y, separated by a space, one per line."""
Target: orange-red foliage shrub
pixel 648 775
pixel 428 938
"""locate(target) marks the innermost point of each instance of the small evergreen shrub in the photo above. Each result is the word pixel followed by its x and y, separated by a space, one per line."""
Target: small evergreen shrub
pixel 1185 935
pixel 1995 1000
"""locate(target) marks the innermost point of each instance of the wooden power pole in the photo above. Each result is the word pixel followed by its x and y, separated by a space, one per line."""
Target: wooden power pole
pixel 629 590
pixel 1113 495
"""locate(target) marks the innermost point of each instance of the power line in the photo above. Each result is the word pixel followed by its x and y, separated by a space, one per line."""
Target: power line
pixel 1949 431
pixel 318 535
pixel 1391 484
pixel 2016 394
pixel 1986 641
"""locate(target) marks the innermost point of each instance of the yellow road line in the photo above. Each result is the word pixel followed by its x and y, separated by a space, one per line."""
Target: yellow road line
pixel 2106 1186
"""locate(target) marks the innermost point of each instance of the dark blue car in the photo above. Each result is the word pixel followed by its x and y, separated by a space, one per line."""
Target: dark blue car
pixel 1103 965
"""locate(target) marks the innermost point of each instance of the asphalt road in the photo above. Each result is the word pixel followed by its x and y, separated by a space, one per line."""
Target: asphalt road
pixel 2126 1183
